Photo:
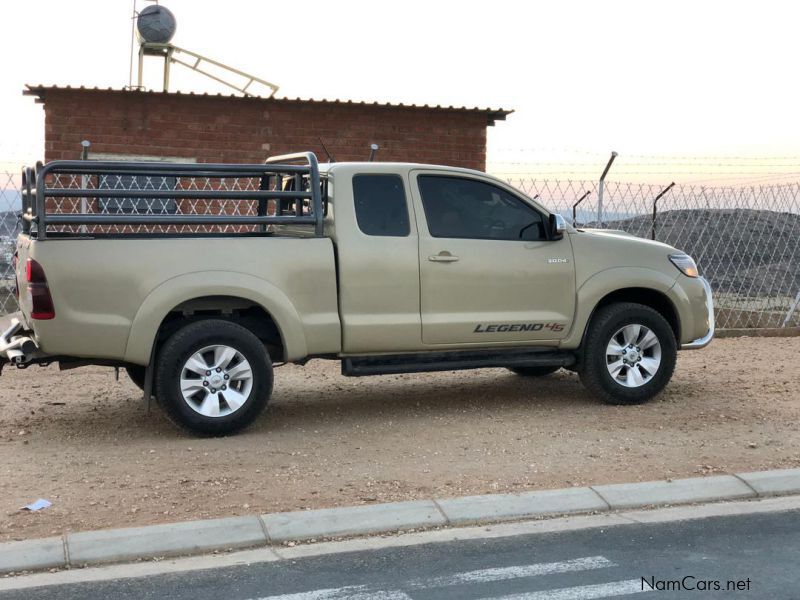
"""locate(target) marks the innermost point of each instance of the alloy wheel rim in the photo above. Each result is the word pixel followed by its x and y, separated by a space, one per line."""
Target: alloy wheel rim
pixel 633 355
pixel 216 381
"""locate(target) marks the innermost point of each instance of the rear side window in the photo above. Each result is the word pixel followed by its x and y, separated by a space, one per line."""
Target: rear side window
pixel 381 207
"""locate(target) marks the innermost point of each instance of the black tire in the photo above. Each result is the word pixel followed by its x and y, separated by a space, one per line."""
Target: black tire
pixel 192 338
pixel 593 369
pixel 533 371
pixel 136 374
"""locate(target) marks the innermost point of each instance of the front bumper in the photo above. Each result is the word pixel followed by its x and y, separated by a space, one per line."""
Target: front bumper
pixel 15 346
pixel 706 339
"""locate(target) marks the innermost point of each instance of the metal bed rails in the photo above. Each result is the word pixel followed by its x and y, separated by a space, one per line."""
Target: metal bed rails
pixel 76 194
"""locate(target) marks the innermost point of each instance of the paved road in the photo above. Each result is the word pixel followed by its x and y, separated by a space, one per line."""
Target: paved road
pixel 758 552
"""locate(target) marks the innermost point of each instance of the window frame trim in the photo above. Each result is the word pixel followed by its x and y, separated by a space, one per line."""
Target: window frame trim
pixel 406 196
pixel 510 191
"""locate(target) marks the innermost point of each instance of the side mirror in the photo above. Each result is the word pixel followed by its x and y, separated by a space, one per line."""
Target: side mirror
pixel 557 227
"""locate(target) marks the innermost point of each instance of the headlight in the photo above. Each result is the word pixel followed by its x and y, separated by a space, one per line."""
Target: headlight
pixel 685 264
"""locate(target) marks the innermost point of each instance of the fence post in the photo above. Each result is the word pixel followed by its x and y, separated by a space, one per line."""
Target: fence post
pixel 85 145
pixel 655 208
pixel 600 189
pixel 792 308
pixel 25 193
pixel 575 206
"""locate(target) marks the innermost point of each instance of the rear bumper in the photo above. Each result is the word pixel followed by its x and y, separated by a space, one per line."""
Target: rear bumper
pixel 706 339
pixel 16 346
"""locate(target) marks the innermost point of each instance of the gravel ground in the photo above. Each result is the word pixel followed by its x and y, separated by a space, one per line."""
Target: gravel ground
pixel 86 442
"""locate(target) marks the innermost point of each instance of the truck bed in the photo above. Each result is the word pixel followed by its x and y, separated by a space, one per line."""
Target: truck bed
pixel 102 287
pixel 124 245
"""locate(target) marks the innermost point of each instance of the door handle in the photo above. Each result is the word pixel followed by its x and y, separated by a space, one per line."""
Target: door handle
pixel 443 256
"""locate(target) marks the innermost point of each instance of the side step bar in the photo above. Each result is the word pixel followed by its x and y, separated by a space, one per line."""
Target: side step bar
pixel 389 364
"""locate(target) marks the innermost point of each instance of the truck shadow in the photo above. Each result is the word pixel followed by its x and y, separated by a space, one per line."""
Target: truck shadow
pixel 409 398
pixel 303 401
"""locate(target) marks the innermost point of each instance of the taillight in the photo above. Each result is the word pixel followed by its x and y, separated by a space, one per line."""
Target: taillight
pixel 39 292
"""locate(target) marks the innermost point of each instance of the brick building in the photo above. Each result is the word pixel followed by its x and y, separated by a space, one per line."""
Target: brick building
pixel 217 128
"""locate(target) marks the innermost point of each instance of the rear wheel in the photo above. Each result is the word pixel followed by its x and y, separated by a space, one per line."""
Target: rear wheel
pixel 533 371
pixel 629 354
pixel 214 377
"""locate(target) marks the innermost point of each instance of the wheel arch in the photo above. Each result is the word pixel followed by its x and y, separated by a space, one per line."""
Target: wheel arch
pixel 243 311
pixel 649 297
pixel 652 289
pixel 231 295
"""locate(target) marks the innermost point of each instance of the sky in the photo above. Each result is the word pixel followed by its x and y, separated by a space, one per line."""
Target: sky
pixel 693 91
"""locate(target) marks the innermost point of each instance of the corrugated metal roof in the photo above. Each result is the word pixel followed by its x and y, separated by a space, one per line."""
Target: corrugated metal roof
pixel 492 114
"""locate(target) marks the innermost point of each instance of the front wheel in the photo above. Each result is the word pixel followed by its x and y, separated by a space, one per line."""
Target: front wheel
pixel 214 377
pixel 629 354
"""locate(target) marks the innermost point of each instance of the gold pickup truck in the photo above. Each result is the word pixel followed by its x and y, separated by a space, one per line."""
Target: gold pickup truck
pixel 198 278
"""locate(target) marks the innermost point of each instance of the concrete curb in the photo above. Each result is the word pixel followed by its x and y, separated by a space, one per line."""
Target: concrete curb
pixel 528 505
pixel 677 491
pixel 192 537
pixel 189 537
pixel 29 555
pixel 352 520
pixel 766 483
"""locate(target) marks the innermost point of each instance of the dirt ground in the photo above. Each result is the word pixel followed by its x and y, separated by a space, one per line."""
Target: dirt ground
pixel 86 443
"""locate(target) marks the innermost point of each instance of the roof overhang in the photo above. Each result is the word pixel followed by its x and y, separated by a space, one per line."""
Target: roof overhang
pixel 492 114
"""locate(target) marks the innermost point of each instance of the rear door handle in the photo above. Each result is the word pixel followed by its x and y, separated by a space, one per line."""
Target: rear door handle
pixel 443 256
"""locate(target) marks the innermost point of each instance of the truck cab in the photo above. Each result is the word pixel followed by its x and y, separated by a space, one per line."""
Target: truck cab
pixel 442 258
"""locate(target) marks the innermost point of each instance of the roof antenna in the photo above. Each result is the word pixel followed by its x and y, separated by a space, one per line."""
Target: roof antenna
pixel 330 156
pixel 373 150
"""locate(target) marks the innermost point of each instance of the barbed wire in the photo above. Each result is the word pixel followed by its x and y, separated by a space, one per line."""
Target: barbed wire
pixel 534 163
pixel 534 173
pixel 605 154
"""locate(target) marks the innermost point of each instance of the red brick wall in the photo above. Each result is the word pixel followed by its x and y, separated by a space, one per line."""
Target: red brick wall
pixel 226 129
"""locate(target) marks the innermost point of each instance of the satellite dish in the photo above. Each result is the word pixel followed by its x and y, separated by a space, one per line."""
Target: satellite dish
pixel 156 25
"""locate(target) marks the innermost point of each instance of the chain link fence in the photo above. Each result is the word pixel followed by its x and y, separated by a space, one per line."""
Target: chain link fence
pixel 746 240
pixel 10 206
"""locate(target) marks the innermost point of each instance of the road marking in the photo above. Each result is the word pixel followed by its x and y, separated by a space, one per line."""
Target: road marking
pixel 501 573
pixel 352 592
pixel 362 592
pixel 583 592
